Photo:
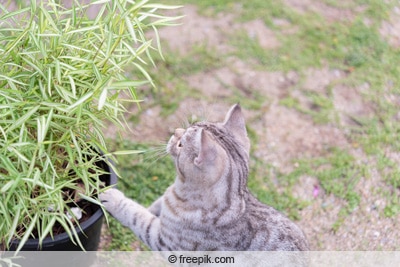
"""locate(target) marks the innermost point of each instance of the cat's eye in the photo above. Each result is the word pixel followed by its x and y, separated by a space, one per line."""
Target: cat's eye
pixel 179 144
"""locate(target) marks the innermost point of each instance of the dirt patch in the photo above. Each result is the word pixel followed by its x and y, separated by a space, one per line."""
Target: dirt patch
pixel 213 83
pixel 198 30
pixel 350 104
pixel 214 32
pixel 259 32
pixel 286 135
pixel 240 76
pixel 318 80
pixel 328 12
pixel 391 29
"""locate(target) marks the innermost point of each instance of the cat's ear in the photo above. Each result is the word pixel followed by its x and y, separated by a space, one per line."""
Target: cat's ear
pixel 234 121
pixel 207 151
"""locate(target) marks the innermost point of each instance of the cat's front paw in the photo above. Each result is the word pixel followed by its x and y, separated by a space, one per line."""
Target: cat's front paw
pixel 111 199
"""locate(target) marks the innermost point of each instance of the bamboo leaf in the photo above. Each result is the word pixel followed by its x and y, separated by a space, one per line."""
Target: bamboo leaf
pixel 14 225
pixel 40 135
pixel 49 18
pixel 5 210
pixel 34 66
pixel 11 46
pixel 76 47
pixel 144 72
pixel 42 89
pixel 2 130
pixel 6 96
pixel 24 118
pixel 158 42
pixel 85 29
pixel 28 231
pixel 72 83
pixel 127 152
pixel 69 229
pixel 129 24
pixel 47 229
pixel 66 227
pixel 126 84
pixel 48 121
pixel 165 22
pixel 19 154
pixel 49 80
pixel 9 79
pixel 144 47
pixel 98 2
pixel 37 182
pixel 140 4
pixel 14 13
pixel 58 70
pixel 76 144
pixel 102 98
pixel 92 200
pixel 161 6
pixel 6 163
pixel 7 186
pixel 80 101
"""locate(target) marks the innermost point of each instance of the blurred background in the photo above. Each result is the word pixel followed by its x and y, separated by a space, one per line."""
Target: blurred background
pixel 319 85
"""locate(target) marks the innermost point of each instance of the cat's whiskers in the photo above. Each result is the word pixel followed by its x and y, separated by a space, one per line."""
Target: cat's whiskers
pixel 182 121
pixel 192 114
pixel 156 153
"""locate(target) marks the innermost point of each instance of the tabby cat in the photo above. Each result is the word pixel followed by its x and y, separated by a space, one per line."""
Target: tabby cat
pixel 209 206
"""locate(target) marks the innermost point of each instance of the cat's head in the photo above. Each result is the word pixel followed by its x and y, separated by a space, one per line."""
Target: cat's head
pixel 206 151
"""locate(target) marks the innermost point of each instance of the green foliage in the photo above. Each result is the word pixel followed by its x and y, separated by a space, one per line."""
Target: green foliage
pixel 61 78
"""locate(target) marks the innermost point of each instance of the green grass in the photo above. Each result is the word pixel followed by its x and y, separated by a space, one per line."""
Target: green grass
pixel 268 191
pixel 141 181
pixel 354 47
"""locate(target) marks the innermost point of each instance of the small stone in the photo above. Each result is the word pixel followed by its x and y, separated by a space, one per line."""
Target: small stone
pixel 376 234
pixel 77 214
pixel 51 208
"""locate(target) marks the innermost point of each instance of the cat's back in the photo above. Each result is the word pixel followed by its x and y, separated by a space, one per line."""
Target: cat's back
pixel 272 230
pixel 257 227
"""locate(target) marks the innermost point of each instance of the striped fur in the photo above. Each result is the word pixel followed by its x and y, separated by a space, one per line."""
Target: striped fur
pixel 209 206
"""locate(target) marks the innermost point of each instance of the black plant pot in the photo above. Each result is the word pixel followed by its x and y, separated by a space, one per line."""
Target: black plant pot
pixel 88 233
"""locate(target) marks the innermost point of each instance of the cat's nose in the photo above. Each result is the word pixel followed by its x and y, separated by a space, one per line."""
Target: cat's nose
pixel 179 132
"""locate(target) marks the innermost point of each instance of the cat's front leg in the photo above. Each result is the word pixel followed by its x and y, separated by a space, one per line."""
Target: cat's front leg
pixel 133 215
pixel 155 208
pixel 112 200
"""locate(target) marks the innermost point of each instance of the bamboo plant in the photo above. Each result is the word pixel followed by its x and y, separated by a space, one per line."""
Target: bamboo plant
pixel 62 74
